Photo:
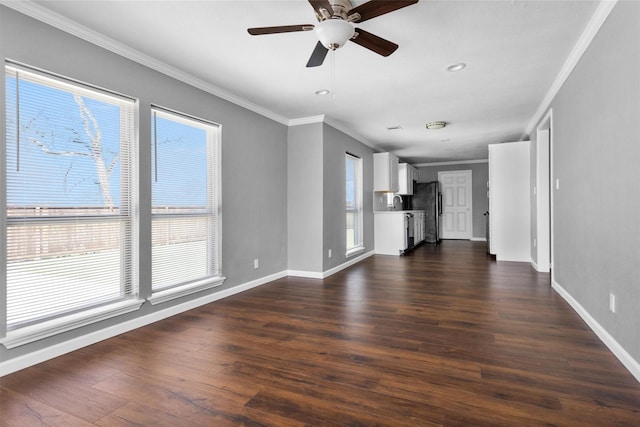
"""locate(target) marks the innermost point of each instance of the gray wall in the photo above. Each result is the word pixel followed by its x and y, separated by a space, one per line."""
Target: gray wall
pixel 305 188
pixel 254 155
pixel 336 144
pixel 595 152
pixel 479 179
pixel 316 204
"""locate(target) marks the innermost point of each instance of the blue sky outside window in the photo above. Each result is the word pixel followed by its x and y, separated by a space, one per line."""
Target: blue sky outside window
pixel 52 165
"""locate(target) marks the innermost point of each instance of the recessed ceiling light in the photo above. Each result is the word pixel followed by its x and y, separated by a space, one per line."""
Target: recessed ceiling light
pixel 394 128
pixel 322 92
pixel 436 125
pixel 456 67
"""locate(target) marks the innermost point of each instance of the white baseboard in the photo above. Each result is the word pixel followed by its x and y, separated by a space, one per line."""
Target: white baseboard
pixel 537 267
pixel 534 265
pixel 478 239
pixel 306 274
pixel 629 362
pixel 327 273
pixel 39 356
pixel 347 264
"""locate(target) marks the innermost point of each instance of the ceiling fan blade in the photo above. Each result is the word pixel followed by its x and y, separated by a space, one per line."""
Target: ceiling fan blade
pixel 372 42
pixel 322 4
pixel 318 55
pixel 282 29
pixel 374 8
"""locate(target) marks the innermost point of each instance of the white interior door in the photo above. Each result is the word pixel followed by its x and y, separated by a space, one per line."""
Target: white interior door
pixel 456 220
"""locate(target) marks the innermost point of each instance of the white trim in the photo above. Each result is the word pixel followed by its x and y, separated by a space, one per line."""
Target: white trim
pixel 478 239
pixel 56 350
pixel 536 267
pixel 327 273
pixel 544 194
pixel 354 251
pixel 349 132
pixel 184 290
pixel 306 120
pixel 347 264
pixel 458 162
pixel 307 274
pixel 600 15
pixel 323 118
pixel 49 17
pixel 629 362
pixel 62 324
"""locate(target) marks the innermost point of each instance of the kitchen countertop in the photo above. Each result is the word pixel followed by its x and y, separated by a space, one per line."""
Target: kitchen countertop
pixel 398 211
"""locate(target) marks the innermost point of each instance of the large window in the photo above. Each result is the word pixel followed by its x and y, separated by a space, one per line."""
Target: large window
pixel 185 206
pixel 69 153
pixel 353 203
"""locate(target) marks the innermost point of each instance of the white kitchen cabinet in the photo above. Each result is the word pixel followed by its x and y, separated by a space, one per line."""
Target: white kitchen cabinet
pixel 406 175
pixel 385 172
pixel 390 228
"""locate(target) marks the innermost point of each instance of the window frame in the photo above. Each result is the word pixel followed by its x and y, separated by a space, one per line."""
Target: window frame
pixel 358 208
pixel 129 299
pixel 213 211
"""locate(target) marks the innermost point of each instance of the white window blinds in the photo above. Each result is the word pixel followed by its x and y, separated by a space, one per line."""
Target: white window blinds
pixel 69 150
pixel 185 200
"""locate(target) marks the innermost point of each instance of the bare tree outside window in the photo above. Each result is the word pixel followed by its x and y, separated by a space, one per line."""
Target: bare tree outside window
pixel 84 140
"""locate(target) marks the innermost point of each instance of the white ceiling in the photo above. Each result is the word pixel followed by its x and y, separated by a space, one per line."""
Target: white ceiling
pixel 514 50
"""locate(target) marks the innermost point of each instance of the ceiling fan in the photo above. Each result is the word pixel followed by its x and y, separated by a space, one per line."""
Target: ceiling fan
pixel 335 26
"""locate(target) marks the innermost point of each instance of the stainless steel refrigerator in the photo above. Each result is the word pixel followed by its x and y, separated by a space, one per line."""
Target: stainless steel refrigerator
pixel 427 197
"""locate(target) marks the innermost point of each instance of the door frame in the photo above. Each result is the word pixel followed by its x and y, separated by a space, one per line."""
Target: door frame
pixel 544 197
pixel 469 173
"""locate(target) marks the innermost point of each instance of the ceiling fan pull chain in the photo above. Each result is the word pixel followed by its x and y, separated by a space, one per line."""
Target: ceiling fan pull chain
pixel 333 74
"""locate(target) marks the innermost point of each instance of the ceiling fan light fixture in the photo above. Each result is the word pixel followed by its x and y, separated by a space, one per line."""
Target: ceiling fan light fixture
pixel 436 125
pixel 334 33
pixel 456 67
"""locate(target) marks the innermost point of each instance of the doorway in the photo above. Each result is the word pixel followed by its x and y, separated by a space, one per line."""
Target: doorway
pixel 457 212
pixel 543 244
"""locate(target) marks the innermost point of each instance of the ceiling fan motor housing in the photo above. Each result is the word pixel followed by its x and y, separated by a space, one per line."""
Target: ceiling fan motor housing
pixel 340 8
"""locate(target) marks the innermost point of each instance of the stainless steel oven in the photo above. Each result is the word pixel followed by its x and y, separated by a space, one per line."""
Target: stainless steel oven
pixel 409 232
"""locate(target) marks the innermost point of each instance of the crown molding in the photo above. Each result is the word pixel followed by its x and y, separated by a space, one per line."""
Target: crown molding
pixel 595 23
pixel 33 10
pixel 306 120
pixel 323 118
pixel 459 162
pixel 344 129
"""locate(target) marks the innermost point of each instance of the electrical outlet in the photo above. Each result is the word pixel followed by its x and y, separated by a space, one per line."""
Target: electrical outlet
pixel 256 263
pixel 330 253
pixel 612 303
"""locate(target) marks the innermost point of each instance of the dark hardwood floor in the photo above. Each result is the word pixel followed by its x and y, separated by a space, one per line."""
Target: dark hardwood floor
pixel 444 336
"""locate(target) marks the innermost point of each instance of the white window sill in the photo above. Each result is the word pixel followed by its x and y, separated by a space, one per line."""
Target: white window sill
pixel 180 291
pixel 62 324
pixel 354 251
